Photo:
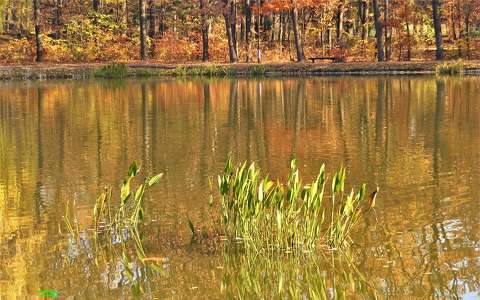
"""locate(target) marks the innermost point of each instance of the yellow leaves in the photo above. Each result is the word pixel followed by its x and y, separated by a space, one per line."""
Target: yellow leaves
pixel 17 51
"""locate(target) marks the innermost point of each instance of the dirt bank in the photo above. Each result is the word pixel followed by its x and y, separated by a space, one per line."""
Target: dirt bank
pixel 77 71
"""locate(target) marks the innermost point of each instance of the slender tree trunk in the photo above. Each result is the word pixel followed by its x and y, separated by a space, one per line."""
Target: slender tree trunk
pixel 95 5
pixel 339 21
pixel 409 42
pixel 438 29
pixel 58 18
pixel 161 27
pixel 248 27
pixel 257 35
pixel 152 19
pixel 142 7
pixel 467 30
pixel 378 31
pixel 272 37
pixel 409 35
pixel 205 27
pixel 125 16
pixel 364 19
pixel 231 45
pixel 296 34
pixel 454 30
pixel 233 23
pixel 38 38
pixel 280 30
pixel 152 25
pixel 386 28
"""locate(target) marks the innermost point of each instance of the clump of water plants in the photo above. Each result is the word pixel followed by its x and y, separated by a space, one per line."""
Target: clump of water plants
pixel 116 232
pixel 291 216
pixel 450 68
pixel 128 212
pixel 200 70
pixel 113 70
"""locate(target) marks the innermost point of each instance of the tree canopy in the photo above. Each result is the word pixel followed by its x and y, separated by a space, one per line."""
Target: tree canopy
pixel 237 30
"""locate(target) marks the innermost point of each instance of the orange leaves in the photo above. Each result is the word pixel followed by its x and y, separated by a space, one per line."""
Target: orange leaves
pixel 17 51
pixel 278 6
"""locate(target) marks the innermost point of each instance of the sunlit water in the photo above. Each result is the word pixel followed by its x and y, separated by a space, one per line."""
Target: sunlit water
pixel 417 138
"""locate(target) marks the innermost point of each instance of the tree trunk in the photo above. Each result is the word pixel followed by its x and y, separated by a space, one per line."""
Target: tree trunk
pixel 386 26
pixel 95 5
pixel 161 27
pixel 409 35
pixel 38 38
pixel 231 45
pixel 248 26
pixel 339 21
pixel 58 18
pixel 203 7
pixel 364 19
pixel 273 28
pixel 125 16
pixel 454 30
pixel 152 19
pixel 378 31
pixel 296 35
pixel 143 9
pixel 280 30
pixel 233 23
pixel 438 29
pixel 257 35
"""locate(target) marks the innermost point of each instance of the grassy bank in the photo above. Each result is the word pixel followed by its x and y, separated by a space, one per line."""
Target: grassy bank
pixel 77 71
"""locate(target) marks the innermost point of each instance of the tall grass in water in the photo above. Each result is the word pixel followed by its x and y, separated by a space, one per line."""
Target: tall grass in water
pixel 450 68
pixel 117 218
pixel 113 70
pixel 269 215
pixel 129 211
pixel 116 234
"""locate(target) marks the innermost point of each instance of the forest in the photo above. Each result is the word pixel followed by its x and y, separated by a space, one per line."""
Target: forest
pixel 172 31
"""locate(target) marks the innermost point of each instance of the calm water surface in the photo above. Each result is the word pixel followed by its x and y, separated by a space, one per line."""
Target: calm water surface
pixel 417 138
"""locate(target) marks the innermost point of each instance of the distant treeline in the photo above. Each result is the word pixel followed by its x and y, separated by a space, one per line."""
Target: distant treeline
pixel 237 30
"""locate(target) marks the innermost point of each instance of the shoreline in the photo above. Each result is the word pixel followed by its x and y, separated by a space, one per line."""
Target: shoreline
pixel 145 69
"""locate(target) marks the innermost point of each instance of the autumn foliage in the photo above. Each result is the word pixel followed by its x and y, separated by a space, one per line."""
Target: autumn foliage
pixel 258 31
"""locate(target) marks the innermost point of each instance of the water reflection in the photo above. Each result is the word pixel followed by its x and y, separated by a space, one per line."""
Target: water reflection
pixel 417 138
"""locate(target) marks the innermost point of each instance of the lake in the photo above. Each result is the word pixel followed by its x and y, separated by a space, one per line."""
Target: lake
pixel 416 138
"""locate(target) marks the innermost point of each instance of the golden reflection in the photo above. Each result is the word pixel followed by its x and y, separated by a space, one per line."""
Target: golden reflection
pixel 417 138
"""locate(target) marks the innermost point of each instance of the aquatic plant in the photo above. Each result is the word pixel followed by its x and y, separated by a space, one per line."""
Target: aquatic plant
pixel 129 211
pixel 113 70
pixel 450 68
pixel 257 70
pixel 199 70
pixel 114 216
pixel 116 233
pixel 268 215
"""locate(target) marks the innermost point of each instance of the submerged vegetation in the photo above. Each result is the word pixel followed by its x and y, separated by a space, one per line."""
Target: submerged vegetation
pixel 327 275
pixel 268 215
